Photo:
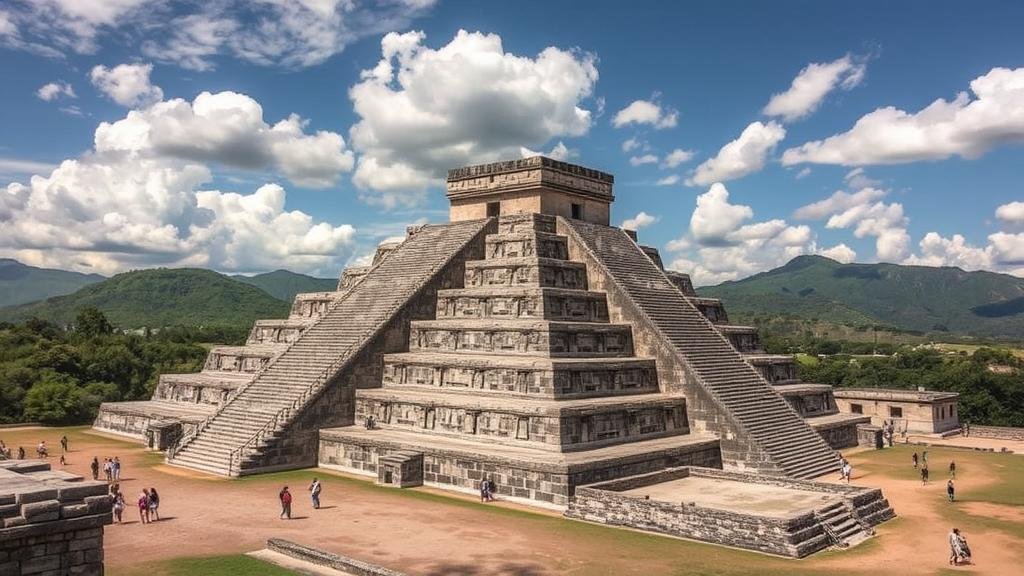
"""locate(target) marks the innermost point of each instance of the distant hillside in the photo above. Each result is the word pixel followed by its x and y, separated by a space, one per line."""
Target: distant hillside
pixel 284 285
pixel 918 298
pixel 20 283
pixel 161 297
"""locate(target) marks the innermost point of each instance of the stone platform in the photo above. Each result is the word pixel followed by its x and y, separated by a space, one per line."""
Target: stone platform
pixel 536 476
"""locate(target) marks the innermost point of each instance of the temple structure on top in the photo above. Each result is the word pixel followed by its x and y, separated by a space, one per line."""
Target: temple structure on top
pixel 530 343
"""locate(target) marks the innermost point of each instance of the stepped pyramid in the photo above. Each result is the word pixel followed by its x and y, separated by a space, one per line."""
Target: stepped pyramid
pixel 527 341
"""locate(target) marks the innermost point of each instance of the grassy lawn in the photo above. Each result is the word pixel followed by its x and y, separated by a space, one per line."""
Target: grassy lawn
pixel 214 566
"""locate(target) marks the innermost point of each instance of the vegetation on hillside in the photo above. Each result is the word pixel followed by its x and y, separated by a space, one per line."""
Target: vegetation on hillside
pixel 160 298
pixel 20 283
pixel 57 377
pixel 922 299
pixel 284 285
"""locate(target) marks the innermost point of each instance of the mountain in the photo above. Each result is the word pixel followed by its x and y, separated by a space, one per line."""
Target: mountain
pixel 20 283
pixel 161 297
pixel 915 298
pixel 284 285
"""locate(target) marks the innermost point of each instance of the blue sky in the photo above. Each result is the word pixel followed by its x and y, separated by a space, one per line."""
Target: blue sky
pixel 797 127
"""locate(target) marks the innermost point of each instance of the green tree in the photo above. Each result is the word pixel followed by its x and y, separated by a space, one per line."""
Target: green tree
pixel 57 400
pixel 90 323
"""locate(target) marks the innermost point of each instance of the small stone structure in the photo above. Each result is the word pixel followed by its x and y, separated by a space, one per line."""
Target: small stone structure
pixel 402 469
pixel 775 515
pixel 51 522
pixel 912 411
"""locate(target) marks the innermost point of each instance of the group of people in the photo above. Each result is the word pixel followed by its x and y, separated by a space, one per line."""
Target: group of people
pixel 111 469
pixel 889 431
pixel 959 551
pixel 5 451
pixel 487 490
pixel 148 504
pixel 315 489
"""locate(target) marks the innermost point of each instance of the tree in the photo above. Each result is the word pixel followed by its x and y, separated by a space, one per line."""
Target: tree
pixel 54 401
pixel 90 322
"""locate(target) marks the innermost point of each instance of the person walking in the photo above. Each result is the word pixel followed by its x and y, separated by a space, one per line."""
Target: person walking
pixel 64 443
pixel 95 468
pixel 847 470
pixel 118 506
pixel 154 505
pixel 914 460
pixel 950 490
pixel 924 458
pixel 952 468
pixel 21 452
pixel 314 493
pixel 144 506
pixel 115 469
pixel 286 503
pixel 924 475
pixel 108 469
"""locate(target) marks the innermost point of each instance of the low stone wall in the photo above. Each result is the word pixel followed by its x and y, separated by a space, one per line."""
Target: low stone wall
pixel 839 437
pixel 111 419
pixel 51 522
pixel 328 559
pixel 797 535
pixel 998 432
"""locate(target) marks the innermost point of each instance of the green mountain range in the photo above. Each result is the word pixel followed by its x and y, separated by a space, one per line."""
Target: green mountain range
pixel 21 283
pixel 284 285
pixel 913 298
pixel 161 297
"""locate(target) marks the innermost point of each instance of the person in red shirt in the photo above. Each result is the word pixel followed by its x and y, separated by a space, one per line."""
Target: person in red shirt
pixel 286 503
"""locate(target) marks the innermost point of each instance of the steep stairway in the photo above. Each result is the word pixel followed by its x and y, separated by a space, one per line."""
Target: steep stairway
pixel 772 425
pixel 262 409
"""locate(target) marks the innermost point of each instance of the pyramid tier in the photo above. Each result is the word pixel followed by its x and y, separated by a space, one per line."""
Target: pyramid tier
pixel 775 368
pixel 744 339
pixel 277 331
pixel 527 244
pixel 521 376
pixel 522 302
pixel 527 271
pixel 522 337
pixel 562 425
pixel 248 359
pixel 207 387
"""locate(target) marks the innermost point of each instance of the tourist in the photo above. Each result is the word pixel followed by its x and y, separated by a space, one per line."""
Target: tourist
pixel 314 492
pixel 924 475
pixel 64 443
pixel 115 469
pixel 62 460
pixel 108 469
pixel 486 490
pixel 144 506
pixel 847 470
pixel 114 488
pixel 154 504
pixel 21 452
pixel 950 490
pixel 924 458
pixel 952 469
pixel 118 506
pixel 491 489
pixel 41 450
pixel 967 428
pixel 842 469
pixel 914 459
pixel 286 503
pixel 958 549
pixel 95 468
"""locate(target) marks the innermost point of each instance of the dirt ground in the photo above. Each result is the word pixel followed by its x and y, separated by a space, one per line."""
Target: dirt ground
pixel 425 531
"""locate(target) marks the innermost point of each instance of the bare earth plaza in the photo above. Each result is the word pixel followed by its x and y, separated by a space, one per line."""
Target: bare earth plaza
pixel 527 351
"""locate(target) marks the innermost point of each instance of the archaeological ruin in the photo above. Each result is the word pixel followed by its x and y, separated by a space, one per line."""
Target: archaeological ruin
pixel 530 343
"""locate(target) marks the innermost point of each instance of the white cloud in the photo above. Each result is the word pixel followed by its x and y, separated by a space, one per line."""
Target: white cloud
pixel 127 84
pixel 677 157
pixel 645 159
pixel 1012 213
pixel 963 127
pixel 812 84
pixel 228 128
pixel 263 32
pixel 1008 249
pixel 559 152
pixel 18 167
pixel 804 173
pixel 857 179
pixel 837 202
pixel 54 90
pixel 630 145
pixel 670 180
pixel 639 221
pixel 840 253
pixel 955 251
pixel 646 112
pixel 744 155
pixel 868 216
pixel 424 110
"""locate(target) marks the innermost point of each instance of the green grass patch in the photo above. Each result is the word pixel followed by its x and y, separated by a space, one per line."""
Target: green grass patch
pixel 232 565
pixel 807 359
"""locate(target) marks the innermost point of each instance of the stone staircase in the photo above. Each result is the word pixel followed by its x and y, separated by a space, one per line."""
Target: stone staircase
pixel 232 440
pixel 768 421
pixel 841 529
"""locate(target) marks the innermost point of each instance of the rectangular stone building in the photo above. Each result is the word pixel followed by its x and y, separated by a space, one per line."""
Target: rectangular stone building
pixel 913 411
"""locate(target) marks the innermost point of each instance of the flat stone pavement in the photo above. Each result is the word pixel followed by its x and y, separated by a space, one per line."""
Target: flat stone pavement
pixel 760 499
pixel 423 532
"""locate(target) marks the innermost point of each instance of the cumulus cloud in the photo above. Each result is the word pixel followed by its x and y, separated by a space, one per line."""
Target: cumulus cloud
pixel 838 202
pixel 803 173
pixel 54 90
pixel 812 85
pixel 651 113
pixel 955 251
pixel 127 84
pixel 644 159
pixel 193 35
pixel 744 155
pixel 424 110
pixel 559 152
pixel 966 127
pixel 1012 213
pixel 677 157
pixel 115 209
pixel 670 180
pixel 840 253
pixel 857 179
pixel 639 221
pixel 630 145
pixel 721 244
pixel 868 216
pixel 228 128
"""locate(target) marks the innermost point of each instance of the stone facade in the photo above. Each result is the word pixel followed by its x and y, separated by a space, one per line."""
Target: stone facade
pixel 912 411
pixel 998 432
pixel 51 523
